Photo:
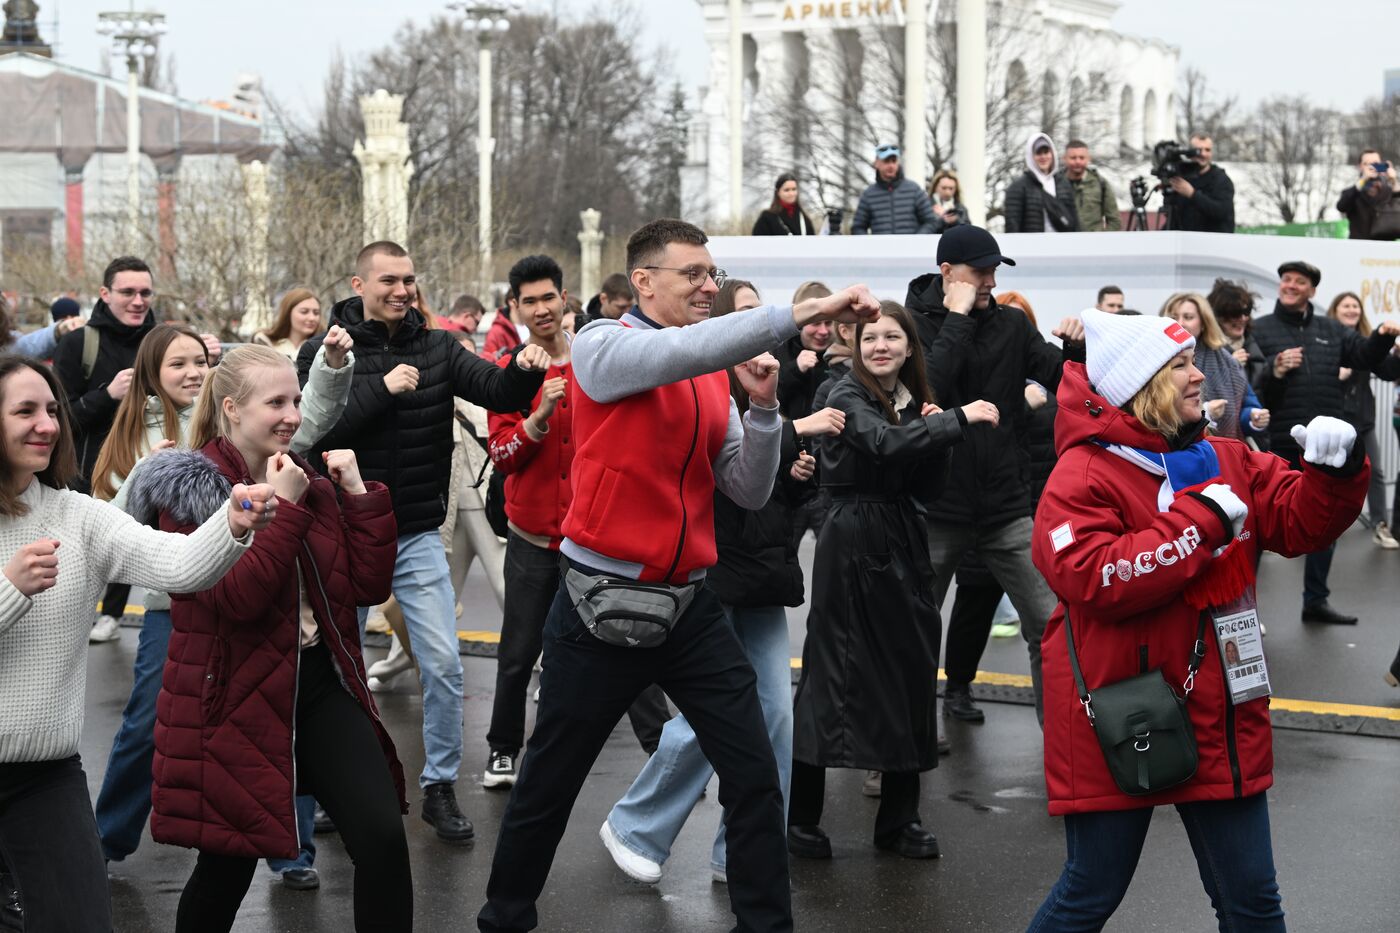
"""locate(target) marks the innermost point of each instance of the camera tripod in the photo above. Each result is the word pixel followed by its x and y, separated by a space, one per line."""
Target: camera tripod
pixel 1141 193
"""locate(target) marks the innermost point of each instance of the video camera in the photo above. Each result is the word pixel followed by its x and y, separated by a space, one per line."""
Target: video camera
pixel 1172 160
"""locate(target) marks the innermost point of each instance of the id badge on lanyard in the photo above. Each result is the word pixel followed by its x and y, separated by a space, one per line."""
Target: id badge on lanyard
pixel 1241 647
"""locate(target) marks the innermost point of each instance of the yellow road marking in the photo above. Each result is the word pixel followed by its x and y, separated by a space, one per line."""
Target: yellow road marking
pixel 490 638
pixel 1335 709
pixel 995 679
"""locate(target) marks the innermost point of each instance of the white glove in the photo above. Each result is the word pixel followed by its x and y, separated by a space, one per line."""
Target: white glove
pixel 1325 441
pixel 1233 506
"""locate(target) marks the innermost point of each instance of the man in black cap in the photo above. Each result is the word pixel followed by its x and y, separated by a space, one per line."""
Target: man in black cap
pixel 64 309
pixel 977 349
pixel 1303 352
pixel 893 203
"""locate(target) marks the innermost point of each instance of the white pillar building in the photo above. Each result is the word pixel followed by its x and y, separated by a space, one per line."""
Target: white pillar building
pixel 822 86
pixel 385 167
pixel 257 310
pixel 590 243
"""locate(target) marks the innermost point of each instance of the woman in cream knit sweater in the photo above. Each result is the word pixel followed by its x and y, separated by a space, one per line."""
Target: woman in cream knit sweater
pixel 62 549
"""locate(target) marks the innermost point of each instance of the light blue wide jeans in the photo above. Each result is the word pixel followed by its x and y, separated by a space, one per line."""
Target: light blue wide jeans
pixel 423 587
pixel 650 815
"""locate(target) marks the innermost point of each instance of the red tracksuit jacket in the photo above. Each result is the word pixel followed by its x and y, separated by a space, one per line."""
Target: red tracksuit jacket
pixel 1120 566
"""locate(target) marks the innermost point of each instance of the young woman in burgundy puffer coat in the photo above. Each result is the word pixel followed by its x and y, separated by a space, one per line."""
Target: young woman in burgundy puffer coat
pixel 1147 531
pixel 264 693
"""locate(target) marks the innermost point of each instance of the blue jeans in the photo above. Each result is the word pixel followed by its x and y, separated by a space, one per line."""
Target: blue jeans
pixel 1234 854
pixel 306 834
pixel 423 587
pixel 1316 567
pixel 125 799
pixel 650 815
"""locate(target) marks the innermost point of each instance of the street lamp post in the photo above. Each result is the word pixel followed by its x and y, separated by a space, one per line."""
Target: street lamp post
pixel 486 20
pixel 134 34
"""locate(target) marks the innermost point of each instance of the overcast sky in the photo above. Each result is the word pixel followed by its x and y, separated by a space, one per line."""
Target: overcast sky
pixel 1252 48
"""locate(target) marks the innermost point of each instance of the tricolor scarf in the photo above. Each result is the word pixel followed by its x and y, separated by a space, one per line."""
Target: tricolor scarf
pixel 1185 471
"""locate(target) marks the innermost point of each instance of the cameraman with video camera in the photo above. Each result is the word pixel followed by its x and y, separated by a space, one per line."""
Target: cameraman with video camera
pixel 1370 206
pixel 1202 198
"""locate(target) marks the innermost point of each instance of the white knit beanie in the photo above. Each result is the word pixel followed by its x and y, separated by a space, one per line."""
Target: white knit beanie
pixel 1123 353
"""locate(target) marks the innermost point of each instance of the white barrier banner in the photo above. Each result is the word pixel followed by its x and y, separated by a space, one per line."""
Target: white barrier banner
pixel 1061 273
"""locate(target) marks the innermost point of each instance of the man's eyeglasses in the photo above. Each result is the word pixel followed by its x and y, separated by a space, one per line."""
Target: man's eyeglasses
pixel 130 293
pixel 696 275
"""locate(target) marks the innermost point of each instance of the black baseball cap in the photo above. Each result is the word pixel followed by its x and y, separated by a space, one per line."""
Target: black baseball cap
pixel 971 246
pixel 1307 269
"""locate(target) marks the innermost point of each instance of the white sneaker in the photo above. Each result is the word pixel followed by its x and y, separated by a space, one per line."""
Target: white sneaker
pixel 106 629
pixel 1384 538
pixel 379 686
pixel 500 771
pixel 632 865
pixel 392 666
pixel 719 875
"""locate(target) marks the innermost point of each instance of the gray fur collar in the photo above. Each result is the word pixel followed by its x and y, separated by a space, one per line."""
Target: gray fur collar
pixel 184 483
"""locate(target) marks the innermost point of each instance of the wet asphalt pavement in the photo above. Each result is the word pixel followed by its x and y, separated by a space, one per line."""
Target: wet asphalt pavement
pixel 1335 810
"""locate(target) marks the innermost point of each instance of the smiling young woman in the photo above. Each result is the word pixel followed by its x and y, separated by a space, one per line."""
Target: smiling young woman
pixel 63 545
pixel 273 650
pixel 866 698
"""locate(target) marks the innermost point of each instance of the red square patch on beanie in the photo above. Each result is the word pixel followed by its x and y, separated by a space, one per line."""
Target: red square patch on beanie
pixel 1177 333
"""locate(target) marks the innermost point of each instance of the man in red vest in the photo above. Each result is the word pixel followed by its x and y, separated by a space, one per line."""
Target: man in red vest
pixel 534 450
pixel 655 434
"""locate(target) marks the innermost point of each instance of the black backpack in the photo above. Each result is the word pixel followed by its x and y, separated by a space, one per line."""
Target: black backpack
pixel 495 487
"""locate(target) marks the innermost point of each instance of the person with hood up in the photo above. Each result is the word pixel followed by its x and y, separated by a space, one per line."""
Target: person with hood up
pixel 1042 199
pixel 892 203
pixel 1148 532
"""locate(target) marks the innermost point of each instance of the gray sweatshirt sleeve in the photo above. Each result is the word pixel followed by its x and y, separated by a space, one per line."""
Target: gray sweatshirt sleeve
pixel 748 461
pixel 322 399
pixel 612 361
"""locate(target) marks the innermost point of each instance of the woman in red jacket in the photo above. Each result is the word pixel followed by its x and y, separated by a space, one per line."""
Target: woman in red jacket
pixel 264 693
pixel 1148 532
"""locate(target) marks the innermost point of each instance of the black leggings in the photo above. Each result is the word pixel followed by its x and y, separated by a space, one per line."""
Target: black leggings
pixel 339 759
pixel 114 600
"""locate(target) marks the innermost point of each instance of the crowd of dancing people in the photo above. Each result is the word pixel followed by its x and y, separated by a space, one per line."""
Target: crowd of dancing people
pixel 634 479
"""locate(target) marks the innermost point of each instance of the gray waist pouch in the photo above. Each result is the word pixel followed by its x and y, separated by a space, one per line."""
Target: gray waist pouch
pixel 628 613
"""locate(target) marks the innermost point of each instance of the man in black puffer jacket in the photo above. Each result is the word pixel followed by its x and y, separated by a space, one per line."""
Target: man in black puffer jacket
pixel 976 349
pixel 1303 352
pixel 398 421
pixel 893 204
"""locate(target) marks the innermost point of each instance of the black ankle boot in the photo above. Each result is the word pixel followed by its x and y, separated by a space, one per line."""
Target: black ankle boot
pixel 440 811
pixel 808 842
pixel 958 703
